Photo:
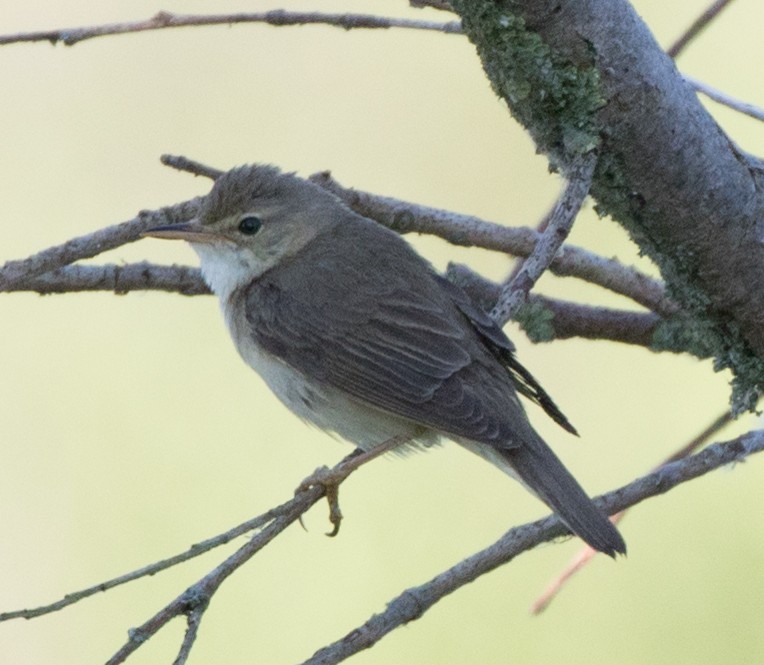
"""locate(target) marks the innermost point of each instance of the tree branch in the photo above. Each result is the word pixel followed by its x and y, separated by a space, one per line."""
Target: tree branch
pixel 152 569
pixel 687 195
pixel 624 192
pixel 727 100
pixel 414 602
pixel 515 293
pixel 277 17
pixel 547 319
pixel 120 279
pixel 195 599
pixel 559 319
pixel 697 26
pixel 84 247
pixel 587 554
pixel 41 272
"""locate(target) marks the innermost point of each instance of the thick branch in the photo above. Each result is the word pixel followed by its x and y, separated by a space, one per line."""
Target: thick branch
pixel 582 72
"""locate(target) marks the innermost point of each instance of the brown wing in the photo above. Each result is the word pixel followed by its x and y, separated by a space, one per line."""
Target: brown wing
pixel 382 329
pixel 499 343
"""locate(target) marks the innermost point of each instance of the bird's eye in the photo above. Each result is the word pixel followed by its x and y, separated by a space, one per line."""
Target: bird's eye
pixel 250 225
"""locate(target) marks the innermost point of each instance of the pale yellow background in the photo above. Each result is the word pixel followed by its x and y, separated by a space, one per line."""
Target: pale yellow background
pixel 129 428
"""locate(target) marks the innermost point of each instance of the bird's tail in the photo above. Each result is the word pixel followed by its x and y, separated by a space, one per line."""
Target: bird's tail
pixel 538 467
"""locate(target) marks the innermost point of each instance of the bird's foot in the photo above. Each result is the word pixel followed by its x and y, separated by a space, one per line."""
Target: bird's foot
pixel 330 480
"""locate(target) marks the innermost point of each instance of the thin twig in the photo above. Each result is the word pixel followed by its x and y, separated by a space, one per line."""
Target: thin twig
pixel 120 279
pixel 564 319
pixel 152 569
pixel 515 293
pixel 698 25
pixel 518 264
pixel 443 5
pixel 181 163
pixel 278 17
pixel 193 621
pixel 199 594
pixel 723 98
pixel 194 600
pixel 92 244
pixel 414 602
pixel 586 553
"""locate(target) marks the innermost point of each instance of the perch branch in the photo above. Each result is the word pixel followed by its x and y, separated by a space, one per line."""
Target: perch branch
pixel 285 511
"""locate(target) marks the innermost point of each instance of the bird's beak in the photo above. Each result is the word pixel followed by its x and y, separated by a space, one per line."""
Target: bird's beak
pixel 191 231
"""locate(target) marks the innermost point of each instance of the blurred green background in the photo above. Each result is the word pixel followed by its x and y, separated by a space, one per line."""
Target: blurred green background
pixel 129 428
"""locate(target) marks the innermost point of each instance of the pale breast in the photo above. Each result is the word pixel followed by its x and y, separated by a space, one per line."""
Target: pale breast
pixel 319 404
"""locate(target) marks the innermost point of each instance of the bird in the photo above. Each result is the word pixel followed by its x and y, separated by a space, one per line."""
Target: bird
pixel 357 334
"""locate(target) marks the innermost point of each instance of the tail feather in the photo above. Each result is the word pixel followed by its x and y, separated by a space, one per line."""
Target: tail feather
pixel 544 474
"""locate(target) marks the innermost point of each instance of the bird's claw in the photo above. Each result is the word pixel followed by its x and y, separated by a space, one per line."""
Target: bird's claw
pixel 330 480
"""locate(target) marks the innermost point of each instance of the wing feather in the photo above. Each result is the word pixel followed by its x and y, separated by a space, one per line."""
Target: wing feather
pixel 413 352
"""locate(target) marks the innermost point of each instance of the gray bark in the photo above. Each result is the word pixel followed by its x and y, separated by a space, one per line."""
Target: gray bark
pixel 588 74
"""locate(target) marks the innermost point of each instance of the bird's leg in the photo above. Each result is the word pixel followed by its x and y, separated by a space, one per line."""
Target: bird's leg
pixel 330 479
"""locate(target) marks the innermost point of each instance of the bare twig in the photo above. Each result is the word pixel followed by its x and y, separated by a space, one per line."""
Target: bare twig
pixel 563 319
pixel 277 17
pixel 92 244
pixel 182 163
pixel 702 22
pixel 193 621
pixel 443 5
pixel 698 25
pixel 723 98
pixel 518 264
pixel 194 601
pixel 414 602
pixel 514 294
pixel 120 279
pixel 586 553
pixel 195 550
